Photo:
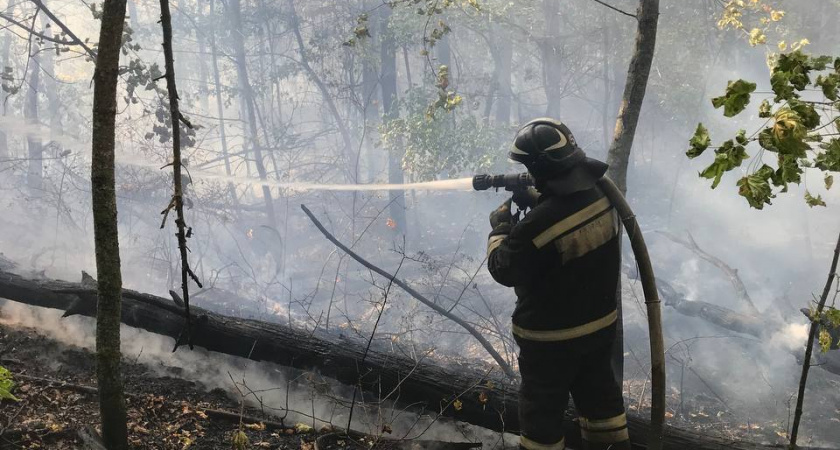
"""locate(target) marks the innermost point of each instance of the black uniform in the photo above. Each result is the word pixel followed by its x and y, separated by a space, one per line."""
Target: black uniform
pixel 563 259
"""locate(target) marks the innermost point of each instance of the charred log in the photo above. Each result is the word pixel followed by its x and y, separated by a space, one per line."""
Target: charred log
pixel 485 398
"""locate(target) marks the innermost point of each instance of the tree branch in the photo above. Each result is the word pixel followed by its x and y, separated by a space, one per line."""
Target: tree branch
pixel 732 273
pixel 64 28
pixel 36 33
pixel 812 334
pixel 176 117
pixel 437 308
pixel 615 9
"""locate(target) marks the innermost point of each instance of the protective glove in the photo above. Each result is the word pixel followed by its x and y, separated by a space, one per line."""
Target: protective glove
pixel 526 198
pixel 501 216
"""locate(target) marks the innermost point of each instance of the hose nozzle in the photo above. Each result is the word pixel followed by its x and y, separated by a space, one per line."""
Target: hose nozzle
pixel 510 182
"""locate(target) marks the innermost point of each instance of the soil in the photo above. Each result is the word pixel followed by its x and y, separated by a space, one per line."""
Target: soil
pixel 341 441
pixel 57 400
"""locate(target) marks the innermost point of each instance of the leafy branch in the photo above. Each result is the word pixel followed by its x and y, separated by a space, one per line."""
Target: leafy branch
pixel 799 135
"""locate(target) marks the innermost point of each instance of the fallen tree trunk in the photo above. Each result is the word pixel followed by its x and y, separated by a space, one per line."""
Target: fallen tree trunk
pixel 485 398
pixel 761 328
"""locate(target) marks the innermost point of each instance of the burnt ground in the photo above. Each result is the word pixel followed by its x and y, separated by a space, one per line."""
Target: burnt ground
pixel 56 400
pixel 54 382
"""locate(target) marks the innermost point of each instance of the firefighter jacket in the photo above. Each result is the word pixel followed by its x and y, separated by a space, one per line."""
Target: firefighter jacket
pixel 563 259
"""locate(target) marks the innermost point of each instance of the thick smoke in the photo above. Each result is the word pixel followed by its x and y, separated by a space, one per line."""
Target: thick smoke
pixel 781 253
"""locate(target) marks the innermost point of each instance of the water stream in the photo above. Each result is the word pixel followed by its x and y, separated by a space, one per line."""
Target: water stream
pixel 458 184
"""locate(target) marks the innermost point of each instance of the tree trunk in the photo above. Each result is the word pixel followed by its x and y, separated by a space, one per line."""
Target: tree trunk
pixel 203 77
pixel 606 108
pixel 628 117
pixel 634 92
pixel 552 58
pixel 503 59
pixel 4 140
pixel 220 109
pixel 809 348
pixel 104 201
pixel 50 87
pixel 236 30
pixel 385 371
pixel 370 102
pixel 175 120
pixel 35 168
pixel 388 81
pixel 349 156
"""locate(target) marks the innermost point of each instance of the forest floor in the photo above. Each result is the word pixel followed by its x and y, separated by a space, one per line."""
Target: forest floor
pixel 56 400
pixel 54 383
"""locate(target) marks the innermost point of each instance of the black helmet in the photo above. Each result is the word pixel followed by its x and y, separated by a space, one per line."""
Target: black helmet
pixel 549 151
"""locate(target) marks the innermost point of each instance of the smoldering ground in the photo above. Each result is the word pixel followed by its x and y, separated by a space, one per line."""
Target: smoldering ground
pixel 298 397
pixel 781 253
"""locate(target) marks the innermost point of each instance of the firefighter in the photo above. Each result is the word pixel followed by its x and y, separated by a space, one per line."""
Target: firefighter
pixel 563 260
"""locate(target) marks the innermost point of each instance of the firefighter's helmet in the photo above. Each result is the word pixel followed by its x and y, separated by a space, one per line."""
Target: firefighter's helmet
pixel 549 151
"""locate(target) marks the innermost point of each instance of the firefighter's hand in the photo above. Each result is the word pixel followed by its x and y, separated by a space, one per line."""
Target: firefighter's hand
pixel 501 215
pixel 526 198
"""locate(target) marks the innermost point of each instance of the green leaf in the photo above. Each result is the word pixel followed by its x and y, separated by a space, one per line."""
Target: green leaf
pixel 6 385
pixel 809 116
pixel 780 83
pixel 828 84
pixel 756 187
pixel 829 181
pixel 788 134
pixel 813 201
pixel 833 316
pixel 829 159
pixel 727 157
pixel 789 171
pixel 797 65
pixel 741 137
pixel 736 98
pixel 699 142
pixel 819 62
pixel 765 110
pixel 824 340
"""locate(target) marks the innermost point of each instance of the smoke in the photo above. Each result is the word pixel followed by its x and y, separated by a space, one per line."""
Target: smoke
pixel 792 336
pixel 266 386
pixel 781 253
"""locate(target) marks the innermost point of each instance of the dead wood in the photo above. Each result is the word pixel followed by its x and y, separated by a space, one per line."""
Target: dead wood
pixel 90 438
pixel 730 272
pixel 436 307
pixel 236 418
pixel 428 386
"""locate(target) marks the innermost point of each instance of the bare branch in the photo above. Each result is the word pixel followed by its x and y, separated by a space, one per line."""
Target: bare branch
pixel 730 272
pixel 616 9
pixel 470 329
pixel 64 28
pixel 36 33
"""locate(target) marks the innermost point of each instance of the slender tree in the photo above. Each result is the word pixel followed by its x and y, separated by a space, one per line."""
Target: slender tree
pixel 388 82
pixel 552 57
pixel 104 200
pixel 234 12
pixel 35 172
pixel 618 157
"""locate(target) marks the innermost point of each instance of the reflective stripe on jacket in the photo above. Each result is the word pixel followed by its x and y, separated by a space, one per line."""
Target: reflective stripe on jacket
pixel 563 259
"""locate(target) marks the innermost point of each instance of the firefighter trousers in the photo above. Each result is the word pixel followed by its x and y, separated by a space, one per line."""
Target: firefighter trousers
pixel 580 367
